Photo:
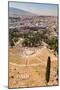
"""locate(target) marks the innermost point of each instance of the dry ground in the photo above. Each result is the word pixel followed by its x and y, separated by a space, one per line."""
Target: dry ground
pixel 27 70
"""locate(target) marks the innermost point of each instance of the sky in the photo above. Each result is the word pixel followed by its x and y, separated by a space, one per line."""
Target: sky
pixel 37 8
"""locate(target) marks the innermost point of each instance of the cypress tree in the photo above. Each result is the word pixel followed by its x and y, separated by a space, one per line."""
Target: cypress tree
pixel 48 70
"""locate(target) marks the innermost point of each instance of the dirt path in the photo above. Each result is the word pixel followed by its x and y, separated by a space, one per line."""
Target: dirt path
pixel 24 65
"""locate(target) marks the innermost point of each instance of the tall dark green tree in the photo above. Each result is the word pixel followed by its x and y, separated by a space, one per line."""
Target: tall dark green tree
pixel 48 70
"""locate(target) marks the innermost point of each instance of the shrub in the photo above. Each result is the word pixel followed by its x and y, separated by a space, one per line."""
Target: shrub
pixel 53 43
pixel 11 43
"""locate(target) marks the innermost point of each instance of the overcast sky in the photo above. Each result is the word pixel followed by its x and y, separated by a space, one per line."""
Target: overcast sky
pixel 37 8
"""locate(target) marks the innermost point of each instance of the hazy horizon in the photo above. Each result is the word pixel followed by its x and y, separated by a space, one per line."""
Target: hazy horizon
pixel 36 8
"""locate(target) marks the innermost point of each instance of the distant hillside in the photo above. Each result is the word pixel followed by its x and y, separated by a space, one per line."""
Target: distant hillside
pixel 18 12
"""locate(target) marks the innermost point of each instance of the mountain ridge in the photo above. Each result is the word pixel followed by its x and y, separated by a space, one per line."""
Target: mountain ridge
pixel 19 12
